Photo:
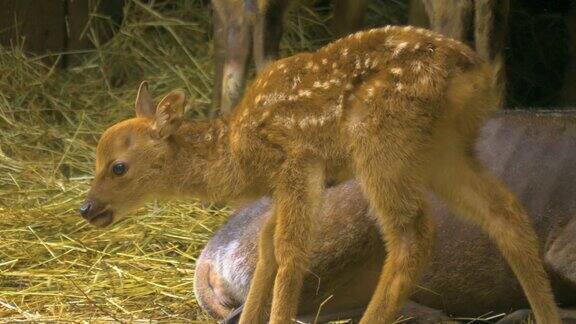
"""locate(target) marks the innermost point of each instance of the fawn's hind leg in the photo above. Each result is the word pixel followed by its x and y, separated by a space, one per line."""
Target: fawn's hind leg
pixel 390 169
pixel 409 234
pixel 261 285
pixel 472 192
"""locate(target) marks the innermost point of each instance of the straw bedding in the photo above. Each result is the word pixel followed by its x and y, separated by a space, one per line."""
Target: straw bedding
pixel 53 265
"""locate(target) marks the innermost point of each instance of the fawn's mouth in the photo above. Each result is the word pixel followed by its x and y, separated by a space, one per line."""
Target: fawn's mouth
pixel 102 219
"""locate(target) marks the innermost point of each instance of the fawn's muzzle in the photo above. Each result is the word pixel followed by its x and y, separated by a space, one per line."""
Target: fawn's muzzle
pixel 85 208
pixel 95 215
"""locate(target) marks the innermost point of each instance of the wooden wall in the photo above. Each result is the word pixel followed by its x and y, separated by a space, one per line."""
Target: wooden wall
pixel 47 27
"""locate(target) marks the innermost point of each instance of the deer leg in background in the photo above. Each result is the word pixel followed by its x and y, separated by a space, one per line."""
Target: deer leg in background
pixel 490 32
pixel 417 15
pixel 452 18
pixel 268 31
pixel 455 18
pixel 220 54
pixel 234 30
pixel 568 96
pixel 348 16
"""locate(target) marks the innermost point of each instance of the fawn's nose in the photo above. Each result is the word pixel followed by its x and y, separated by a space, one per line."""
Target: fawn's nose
pixel 85 208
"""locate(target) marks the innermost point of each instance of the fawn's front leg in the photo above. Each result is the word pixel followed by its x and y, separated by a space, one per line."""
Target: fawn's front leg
pixel 297 198
pixel 263 279
pixel 296 210
pixel 297 194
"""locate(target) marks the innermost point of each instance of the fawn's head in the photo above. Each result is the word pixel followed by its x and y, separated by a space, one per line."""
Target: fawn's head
pixel 133 158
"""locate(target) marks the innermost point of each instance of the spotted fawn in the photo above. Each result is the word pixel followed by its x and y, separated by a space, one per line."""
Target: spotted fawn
pixel 397 108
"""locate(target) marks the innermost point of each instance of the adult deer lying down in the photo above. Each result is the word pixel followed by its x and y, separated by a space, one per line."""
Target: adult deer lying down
pixel 397 108
pixel 534 153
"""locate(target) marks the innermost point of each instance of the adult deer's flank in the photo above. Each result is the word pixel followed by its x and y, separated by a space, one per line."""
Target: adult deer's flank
pixel 398 108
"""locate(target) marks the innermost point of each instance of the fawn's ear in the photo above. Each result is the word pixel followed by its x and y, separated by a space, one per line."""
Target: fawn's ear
pixel 144 102
pixel 170 113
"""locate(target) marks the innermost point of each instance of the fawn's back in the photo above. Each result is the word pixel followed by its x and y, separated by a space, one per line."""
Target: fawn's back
pixel 316 101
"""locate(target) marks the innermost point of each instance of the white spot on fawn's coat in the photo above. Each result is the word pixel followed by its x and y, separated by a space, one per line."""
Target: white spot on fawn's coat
pixel 370 92
pixel 396 71
pixel 417 66
pixel 399 48
pixel 305 93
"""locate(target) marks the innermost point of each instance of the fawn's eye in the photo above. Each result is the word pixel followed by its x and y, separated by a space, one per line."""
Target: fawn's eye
pixel 119 168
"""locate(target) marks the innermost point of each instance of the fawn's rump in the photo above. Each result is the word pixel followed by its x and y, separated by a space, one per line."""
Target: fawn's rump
pixel 421 126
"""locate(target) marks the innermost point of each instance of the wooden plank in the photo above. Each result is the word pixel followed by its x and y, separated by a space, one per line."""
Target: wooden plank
pixel 37 25
pixel 78 16
pixel 56 26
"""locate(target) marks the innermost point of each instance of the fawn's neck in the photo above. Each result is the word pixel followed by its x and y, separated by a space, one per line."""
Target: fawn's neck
pixel 203 165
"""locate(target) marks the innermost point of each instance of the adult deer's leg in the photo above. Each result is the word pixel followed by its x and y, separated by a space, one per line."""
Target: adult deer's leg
pixel 490 33
pixel 220 55
pixel 234 29
pixel 491 28
pixel 268 32
pixel 472 192
pixel 452 18
pixel 417 15
pixel 348 16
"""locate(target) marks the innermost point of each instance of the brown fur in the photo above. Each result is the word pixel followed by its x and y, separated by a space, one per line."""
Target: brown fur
pixel 245 28
pixel 483 23
pixel 534 153
pixel 397 107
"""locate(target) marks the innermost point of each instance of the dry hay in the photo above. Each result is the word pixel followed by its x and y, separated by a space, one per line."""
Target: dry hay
pixel 53 265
